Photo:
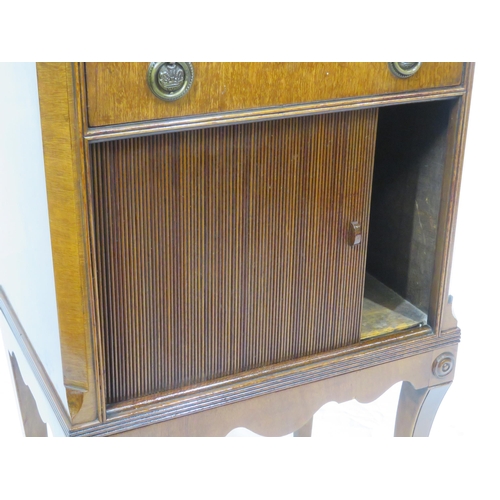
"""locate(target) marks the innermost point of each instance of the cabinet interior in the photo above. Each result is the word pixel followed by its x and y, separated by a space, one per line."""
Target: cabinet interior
pixel 411 151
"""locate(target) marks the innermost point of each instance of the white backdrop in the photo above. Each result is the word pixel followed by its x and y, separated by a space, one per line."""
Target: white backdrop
pixel 469 408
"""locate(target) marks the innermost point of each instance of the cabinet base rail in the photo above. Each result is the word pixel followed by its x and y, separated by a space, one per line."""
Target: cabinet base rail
pixel 290 410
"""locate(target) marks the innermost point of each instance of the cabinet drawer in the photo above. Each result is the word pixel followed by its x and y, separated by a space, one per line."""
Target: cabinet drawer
pixel 119 92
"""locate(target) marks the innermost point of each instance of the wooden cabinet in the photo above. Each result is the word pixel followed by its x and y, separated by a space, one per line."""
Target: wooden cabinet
pixel 276 238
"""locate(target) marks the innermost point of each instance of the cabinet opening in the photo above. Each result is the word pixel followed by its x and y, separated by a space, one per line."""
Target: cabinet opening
pixel 411 152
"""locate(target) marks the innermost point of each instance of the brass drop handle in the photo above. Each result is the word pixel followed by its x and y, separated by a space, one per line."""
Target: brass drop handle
pixel 354 233
pixel 404 69
pixel 170 80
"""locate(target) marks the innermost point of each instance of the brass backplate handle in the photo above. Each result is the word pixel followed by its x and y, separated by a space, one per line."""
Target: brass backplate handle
pixel 404 69
pixel 170 80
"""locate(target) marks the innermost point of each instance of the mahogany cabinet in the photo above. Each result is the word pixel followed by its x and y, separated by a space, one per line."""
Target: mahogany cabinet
pixel 236 244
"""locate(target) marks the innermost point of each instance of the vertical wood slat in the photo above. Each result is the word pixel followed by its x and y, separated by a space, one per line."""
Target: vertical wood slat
pixel 225 249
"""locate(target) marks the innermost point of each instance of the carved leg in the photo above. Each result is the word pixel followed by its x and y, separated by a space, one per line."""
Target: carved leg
pixel 417 409
pixel 33 424
pixel 305 430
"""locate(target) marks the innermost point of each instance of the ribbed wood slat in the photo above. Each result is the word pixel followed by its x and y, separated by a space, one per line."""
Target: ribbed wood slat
pixel 225 249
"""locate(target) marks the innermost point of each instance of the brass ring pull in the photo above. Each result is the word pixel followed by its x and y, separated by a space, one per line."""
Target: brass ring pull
pixel 170 80
pixel 404 69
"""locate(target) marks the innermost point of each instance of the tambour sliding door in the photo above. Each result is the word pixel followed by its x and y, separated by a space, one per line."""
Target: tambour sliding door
pixel 227 249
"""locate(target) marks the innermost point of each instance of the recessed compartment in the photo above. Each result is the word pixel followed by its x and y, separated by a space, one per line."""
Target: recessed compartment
pixel 410 158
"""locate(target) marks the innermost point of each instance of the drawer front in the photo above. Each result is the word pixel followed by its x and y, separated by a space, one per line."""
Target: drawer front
pixel 119 93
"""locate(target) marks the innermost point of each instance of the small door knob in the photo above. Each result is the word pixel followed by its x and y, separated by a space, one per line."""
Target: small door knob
pixel 354 233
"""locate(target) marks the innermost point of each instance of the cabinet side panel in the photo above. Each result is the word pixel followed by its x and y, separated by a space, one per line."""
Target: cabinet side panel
pixel 26 266
pixel 223 250
pixel 62 145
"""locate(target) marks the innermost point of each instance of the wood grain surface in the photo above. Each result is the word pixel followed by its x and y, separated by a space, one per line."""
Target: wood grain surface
pixel 221 268
pixel 285 411
pixel 223 250
pixel 118 92
pixel 62 149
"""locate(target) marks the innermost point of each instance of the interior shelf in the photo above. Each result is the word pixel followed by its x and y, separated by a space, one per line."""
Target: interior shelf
pixel 384 311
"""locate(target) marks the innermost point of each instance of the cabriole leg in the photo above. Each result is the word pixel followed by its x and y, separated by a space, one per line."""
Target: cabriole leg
pixel 417 409
pixel 33 424
pixel 305 430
